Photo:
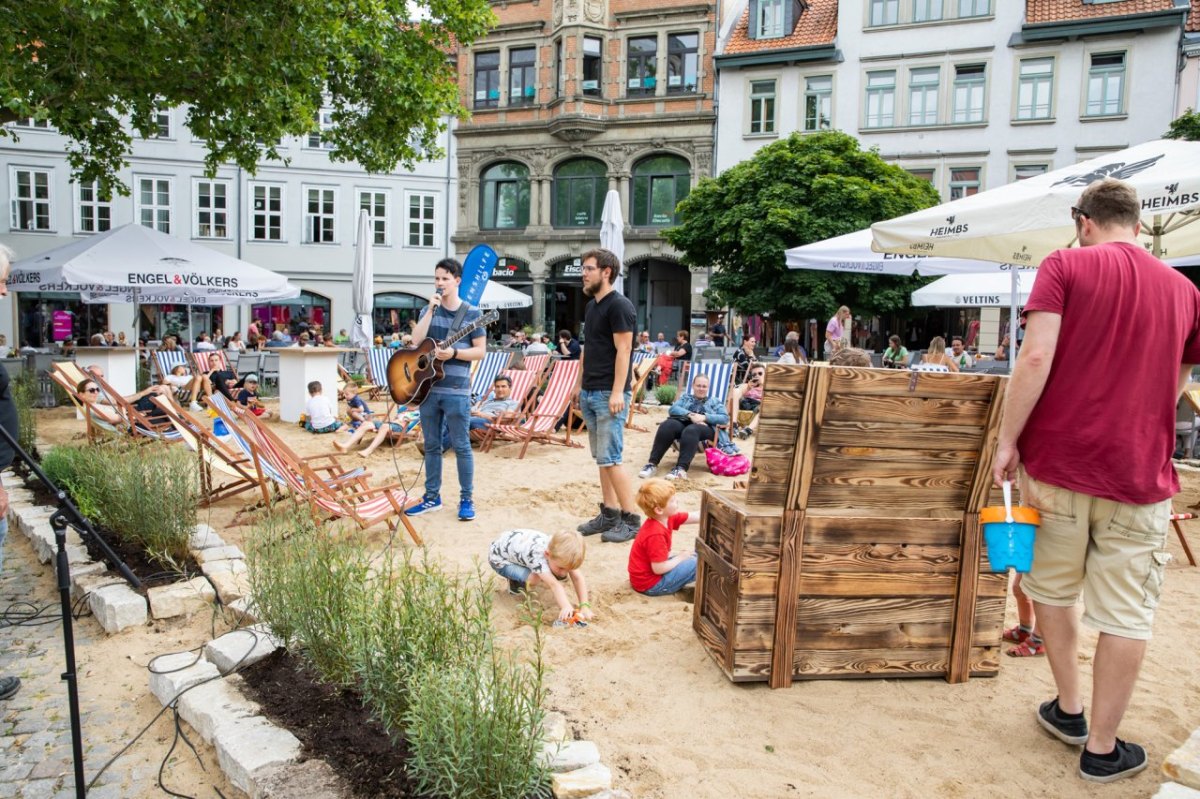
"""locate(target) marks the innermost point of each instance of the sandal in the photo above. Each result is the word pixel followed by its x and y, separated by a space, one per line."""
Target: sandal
pixel 1027 649
pixel 1015 634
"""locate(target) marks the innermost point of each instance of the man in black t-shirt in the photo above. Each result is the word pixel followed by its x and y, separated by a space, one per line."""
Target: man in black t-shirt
pixel 604 396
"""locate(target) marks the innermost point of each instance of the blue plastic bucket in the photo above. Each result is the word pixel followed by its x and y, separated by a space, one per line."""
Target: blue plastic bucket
pixel 1009 545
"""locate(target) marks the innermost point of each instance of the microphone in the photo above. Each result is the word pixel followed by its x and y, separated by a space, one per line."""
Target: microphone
pixel 438 291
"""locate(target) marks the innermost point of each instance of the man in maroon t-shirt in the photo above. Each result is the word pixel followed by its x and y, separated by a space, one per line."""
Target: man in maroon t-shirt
pixel 1090 419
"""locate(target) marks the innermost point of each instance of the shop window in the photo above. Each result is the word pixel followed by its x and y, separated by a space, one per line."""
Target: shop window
pixel 30 198
pixel 291 316
pixel 579 189
pixel 393 311
pixel 505 196
pixel 659 184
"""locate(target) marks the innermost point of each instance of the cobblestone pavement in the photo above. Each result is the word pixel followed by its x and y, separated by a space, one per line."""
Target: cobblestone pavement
pixel 35 733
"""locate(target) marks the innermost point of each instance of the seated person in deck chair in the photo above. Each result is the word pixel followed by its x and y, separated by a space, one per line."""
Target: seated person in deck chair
pixel 500 403
pixel 746 401
pixel 89 393
pixel 248 397
pixel 185 384
pixel 690 422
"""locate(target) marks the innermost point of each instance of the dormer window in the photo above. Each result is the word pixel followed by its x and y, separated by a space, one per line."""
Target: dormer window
pixel 774 19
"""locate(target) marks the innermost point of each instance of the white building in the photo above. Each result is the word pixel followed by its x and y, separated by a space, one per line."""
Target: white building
pixel 298 220
pixel 970 94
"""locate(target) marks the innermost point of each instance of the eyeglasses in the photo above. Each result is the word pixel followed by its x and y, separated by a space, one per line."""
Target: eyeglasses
pixel 1077 212
pixel 590 268
pixel 91 391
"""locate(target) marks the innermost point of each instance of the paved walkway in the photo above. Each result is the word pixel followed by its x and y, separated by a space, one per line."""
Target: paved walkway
pixel 35 731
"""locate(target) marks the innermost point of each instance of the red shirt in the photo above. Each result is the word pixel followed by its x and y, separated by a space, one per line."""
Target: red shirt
pixel 1105 423
pixel 652 545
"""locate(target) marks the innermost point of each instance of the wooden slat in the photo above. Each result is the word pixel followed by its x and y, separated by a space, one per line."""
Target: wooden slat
pixel 785 378
pixel 784 640
pixel 870 586
pixel 814 664
pixel 901 499
pixel 825 530
pixel 913 408
pixel 900 435
pixel 913 458
pixel 714 561
pixel 884 382
pixel 879 558
pixel 804 458
pixel 714 643
pixel 866 475
pixel 965 597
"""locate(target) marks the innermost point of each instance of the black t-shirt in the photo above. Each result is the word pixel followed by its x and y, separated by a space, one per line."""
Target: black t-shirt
pixel 613 314
pixel 718 334
pixel 572 350
pixel 687 351
pixel 8 418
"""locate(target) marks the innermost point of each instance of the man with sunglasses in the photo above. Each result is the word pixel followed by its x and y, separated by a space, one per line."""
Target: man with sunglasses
pixel 1094 451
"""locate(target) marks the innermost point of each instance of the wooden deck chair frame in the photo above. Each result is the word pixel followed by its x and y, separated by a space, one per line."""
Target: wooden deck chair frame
pixel 524 391
pixel 720 385
pixel 96 428
pixel 538 425
pixel 206 361
pixel 140 425
pixel 642 365
pixel 1176 518
pixel 351 498
pixel 214 456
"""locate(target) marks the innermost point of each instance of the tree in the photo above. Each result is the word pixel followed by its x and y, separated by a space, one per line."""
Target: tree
pixel 1186 127
pixel 249 72
pixel 796 191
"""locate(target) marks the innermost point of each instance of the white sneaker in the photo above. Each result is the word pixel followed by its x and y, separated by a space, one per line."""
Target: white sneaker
pixel 677 474
pixel 647 471
pixel 195 407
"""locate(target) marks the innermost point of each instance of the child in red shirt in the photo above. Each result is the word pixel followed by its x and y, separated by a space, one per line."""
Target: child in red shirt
pixel 653 571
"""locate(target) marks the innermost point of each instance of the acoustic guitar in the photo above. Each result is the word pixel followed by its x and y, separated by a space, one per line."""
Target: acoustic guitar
pixel 411 373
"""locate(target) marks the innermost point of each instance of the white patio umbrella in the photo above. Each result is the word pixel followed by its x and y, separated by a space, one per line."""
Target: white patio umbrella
pixel 852 253
pixel 496 295
pixel 612 233
pixel 362 289
pixel 979 290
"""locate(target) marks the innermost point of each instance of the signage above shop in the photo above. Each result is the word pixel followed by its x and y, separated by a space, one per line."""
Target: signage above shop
pixel 572 268
pixel 511 269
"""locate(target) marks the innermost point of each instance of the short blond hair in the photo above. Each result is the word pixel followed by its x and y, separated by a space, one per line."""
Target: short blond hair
pixel 567 550
pixel 655 493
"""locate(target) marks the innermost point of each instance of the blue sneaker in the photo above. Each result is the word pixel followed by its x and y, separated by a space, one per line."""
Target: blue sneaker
pixel 426 505
pixel 466 510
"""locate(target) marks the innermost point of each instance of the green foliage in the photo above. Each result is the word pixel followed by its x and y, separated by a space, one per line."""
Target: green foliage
pixel 1186 127
pixel 665 394
pixel 249 73
pixel 145 493
pixel 25 393
pixel 796 191
pixel 416 641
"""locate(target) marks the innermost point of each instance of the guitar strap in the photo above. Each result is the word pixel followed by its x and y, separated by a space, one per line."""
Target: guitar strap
pixel 459 315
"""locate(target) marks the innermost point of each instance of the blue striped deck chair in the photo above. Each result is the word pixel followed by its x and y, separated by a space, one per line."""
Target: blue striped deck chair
pixel 720 378
pixel 166 360
pixel 490 367
pixel 377 361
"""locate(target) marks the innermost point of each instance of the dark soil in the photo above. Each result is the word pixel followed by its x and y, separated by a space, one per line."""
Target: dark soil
pixel 148 571
pixel 332 724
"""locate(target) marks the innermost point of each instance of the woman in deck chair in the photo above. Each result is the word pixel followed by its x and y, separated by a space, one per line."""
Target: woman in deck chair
pixel 746 401
pixel 89 394
pixel 691 422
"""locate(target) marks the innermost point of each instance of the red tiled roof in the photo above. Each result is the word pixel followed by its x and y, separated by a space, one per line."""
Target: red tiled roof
pixel 817 25
pixel 1193 23
pixel 1067 10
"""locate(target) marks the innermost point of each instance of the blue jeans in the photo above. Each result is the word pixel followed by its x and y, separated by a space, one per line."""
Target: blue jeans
pixel 606 433
pixel 683 574
pixel 453 410
pixel 512 571
pixel 475 423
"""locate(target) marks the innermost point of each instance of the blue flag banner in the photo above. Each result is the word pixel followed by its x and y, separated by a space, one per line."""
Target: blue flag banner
pixel 477 271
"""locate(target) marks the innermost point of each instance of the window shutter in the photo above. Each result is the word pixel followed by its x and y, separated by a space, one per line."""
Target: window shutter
pixel 752 28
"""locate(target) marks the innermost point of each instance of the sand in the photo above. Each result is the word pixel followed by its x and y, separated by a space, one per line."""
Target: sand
pixel 669 723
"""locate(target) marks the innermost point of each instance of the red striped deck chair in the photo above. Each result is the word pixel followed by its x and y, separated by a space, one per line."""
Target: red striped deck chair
pixel 237 473
pixel 141 425
pixel 1176 518
pixel 207 360
pixel 67 375
pixel 535 363
pixel 539 423
pixel 642 365
pixel 524 392
pixel 354 499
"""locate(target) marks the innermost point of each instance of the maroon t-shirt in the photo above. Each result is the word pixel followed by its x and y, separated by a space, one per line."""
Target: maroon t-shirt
pixel 1105 423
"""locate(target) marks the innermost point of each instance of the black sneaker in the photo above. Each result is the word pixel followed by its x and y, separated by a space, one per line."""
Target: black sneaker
pixel 619 533
pixel 1068 730
pixel 516 587
pixel 9 687
pixel 1131 759
pixel 602 521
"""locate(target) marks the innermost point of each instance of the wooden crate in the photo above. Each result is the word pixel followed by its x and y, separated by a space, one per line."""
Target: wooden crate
pixel 856 550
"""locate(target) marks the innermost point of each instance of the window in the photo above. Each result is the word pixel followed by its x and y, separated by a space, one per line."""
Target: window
pixel 559 68
pixel 641 66
pixel 1036 88
pixel 881 99
pixel 762 106
pixel 593 49
pixel 212 210
pixel 522 76
pixel 320 215
pixel 974 8
pixel 95 215
pixel 884 12
pixel 682 59
pixel 30 190
pixel 505 202
pixel 927 10
pixel 1026 171
pixel 659 184
pixel 579 189
pixel 324 123
pixel 818 103
pixel 969 82
pixel 1106 85
pixel 770 19
pixel 923 173
pixel 266 212
pixel 964 182
pixel 375 203
pixel 34 124
pixel 487 80
pixel 154 203
pixel 923 96
pixel 162 124
pixel 421 219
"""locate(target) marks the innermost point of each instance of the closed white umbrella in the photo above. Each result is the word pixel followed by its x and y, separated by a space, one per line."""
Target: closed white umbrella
pixel 362 289
pixel 612 233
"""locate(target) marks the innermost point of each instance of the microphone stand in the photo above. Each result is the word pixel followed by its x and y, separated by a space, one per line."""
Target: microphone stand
pixel 68 514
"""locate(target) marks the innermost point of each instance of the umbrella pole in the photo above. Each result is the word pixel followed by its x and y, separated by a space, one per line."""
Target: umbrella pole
pixel 1013 302
pixel 1157 231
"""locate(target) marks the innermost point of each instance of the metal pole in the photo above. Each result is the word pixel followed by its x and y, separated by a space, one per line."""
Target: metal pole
pixel 1013 303
pixel 63 568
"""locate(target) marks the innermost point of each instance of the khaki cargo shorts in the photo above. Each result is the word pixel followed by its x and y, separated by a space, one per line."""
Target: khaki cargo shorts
pixel 1112 553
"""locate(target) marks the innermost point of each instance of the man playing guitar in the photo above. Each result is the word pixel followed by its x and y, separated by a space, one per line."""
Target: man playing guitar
pixel 449 401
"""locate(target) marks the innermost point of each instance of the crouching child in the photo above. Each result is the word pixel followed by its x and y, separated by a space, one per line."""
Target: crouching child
pixel 528 558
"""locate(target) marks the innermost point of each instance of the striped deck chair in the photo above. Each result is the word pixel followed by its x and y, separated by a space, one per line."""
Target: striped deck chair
pixel 140 423
pixel 536 363
pixel 489 368
pixel 642 365
pixel 97 426
pixel 166 360
pixel 349 498
pixel 720 379
pixel 206 361
pixel 377 361
pixel 539 423
pixel 524 392
pixel 216 457
pixel 1176 518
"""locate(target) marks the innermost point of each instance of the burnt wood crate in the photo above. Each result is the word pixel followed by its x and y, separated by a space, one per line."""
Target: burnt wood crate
pixel 856 551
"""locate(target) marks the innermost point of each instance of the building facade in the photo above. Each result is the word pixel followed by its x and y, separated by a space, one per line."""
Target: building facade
pixel 569 100
pixel 299 220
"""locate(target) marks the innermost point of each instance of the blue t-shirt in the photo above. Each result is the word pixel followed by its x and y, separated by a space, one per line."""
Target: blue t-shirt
pixel 356 403
pixel 458 373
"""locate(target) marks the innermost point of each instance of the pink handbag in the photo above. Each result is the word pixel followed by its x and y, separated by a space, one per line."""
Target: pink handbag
pixel 726 465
